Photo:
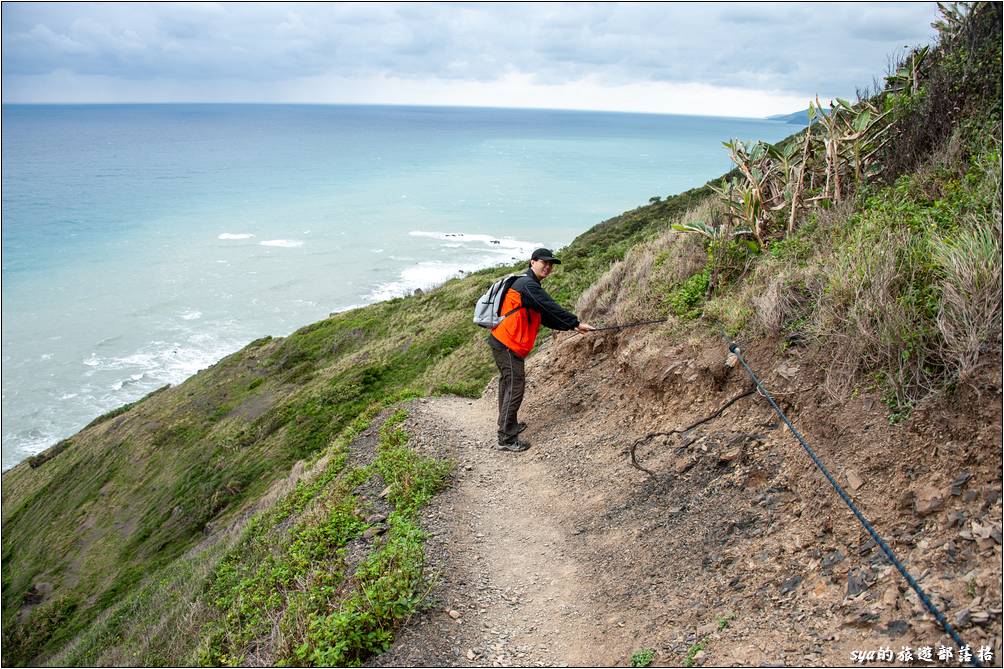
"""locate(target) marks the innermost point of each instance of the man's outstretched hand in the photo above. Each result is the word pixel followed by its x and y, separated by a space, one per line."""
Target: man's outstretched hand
pixel 583 328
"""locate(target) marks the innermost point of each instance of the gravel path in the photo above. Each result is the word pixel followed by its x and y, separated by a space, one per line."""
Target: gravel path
pixel 509 589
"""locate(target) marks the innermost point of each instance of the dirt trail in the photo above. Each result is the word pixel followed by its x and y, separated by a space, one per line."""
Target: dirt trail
pixel 736 554
pixel 506 550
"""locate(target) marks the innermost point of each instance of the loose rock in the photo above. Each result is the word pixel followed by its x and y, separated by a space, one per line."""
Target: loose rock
pixel 928 500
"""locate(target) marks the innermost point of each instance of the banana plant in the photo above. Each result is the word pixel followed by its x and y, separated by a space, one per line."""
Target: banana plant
pixel 711 231
pixel 831 122
pixel 953 16
pixel 788 159
pixel 803 165
pixel 763 191
pixel 865 132
pixel 717 234
pixel 906 79
pixel 735 194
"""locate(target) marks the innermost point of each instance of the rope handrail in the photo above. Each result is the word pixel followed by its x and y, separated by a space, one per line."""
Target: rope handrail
pixel 734 349
pixel 630 325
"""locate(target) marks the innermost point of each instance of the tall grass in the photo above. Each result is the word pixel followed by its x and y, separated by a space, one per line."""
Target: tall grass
pixel 971 304
pixel 637 287
pixel 970 265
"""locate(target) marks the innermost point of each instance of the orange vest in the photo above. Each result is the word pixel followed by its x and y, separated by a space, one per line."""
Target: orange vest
pixel 518 331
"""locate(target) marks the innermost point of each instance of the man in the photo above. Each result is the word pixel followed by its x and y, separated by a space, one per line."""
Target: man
pixel 528 306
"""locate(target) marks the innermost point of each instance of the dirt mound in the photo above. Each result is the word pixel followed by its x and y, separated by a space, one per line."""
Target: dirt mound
pixel 738 551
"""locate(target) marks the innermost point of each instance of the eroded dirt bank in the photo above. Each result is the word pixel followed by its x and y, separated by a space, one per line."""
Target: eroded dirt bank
pixel 738 552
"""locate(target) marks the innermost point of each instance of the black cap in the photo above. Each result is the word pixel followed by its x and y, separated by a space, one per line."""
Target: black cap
pixel 545 254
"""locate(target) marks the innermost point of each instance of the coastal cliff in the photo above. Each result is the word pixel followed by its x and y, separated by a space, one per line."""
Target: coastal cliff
pixel 277 507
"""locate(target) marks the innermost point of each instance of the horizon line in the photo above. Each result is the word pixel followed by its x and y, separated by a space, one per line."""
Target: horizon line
pixel 384 104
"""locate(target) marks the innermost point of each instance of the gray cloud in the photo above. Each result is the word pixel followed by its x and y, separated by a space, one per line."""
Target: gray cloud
pixel 829 48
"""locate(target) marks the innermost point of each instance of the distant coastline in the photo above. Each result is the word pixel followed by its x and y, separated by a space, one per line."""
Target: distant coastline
pixel 795 118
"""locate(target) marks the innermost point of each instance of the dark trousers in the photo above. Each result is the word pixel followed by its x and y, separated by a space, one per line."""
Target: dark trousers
pixel 512 381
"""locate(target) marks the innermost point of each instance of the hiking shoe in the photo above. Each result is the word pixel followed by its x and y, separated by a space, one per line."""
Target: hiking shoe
pixel 514 445
pixel 520 426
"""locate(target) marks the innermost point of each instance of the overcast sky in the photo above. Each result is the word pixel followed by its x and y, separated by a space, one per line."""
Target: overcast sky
pixel 721 59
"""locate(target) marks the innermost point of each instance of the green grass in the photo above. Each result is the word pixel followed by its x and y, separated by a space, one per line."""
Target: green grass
pixel 125 636
pixel 40 459
pixel 299 579
pixel 692 652
pixel 250 593
pixel 125 407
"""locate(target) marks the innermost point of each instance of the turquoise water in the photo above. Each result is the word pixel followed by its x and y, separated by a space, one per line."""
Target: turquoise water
pixel 142 243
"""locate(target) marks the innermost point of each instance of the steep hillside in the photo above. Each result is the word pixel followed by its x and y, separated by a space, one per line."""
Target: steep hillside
pixel 270 509
pixel 90 521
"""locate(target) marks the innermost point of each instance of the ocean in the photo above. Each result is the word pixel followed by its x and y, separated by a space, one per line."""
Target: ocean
pixel 142 243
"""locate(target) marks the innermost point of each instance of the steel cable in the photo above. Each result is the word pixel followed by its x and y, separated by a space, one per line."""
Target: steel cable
pixel 630 325
pixel 734 349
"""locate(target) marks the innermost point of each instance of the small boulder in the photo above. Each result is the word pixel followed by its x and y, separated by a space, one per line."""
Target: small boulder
pixel 956 518
pixel 960 480
pixel 731 455
pixel 928 500
pixel 830 560
pixel 371 532
pixel 981 531
pixel 790 585
pixel 895 628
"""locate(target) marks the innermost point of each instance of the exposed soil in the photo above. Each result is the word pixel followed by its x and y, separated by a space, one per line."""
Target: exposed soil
pixel 738 551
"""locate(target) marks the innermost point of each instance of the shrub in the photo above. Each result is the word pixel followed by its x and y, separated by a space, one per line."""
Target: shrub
pixel 642 658
pixel 687 299
pixel 40 459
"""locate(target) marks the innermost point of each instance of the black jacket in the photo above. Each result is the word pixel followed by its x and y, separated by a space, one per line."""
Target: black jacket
pixel 536 298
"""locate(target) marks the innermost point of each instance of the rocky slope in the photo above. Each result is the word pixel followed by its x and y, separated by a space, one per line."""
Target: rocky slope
pixel 738 551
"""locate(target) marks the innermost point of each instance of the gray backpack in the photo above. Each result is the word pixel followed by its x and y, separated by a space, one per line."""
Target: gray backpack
pixel 488 310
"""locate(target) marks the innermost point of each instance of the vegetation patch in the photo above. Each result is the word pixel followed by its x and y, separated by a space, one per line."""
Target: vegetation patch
pixel 299 580
pixel 687 299
pixel 252 583
pixel 642 658
pixel 49 620
pixel 390 584
pixel 908 270
pixel 692 652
